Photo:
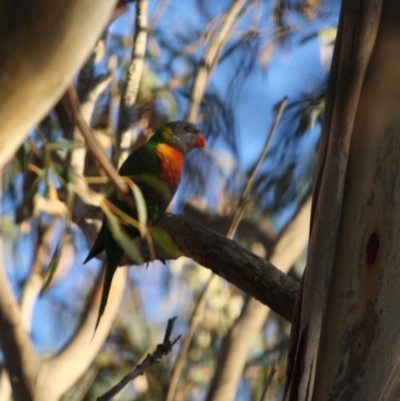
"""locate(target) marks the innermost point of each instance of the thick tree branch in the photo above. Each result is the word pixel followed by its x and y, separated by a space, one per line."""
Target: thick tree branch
pixel 250 273
pixel 247 229
pixel 5 386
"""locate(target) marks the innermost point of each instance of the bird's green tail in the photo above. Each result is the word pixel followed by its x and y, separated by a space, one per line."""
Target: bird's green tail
pixel 99 244
pixel 114 258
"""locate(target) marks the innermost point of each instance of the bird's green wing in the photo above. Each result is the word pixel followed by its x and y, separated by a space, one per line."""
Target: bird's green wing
pixel 142 167
pixel 143 161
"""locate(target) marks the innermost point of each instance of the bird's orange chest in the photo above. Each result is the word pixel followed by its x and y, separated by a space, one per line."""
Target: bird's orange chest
pixel 171 163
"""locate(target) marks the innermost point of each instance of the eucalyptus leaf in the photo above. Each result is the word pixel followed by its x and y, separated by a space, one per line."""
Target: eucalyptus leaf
pixel 140 206
pixel 123 239
pixel 154 182
pixel 163 240
pixel 55 259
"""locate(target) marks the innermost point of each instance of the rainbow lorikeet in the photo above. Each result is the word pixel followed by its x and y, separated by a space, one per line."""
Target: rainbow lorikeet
pixel 161 158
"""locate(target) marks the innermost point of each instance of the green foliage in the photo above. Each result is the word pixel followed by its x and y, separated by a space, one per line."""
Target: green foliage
pixel 122 238
pixel 162 239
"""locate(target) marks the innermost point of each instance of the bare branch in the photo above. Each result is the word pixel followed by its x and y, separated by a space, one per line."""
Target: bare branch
pixel 250 273
pixel 21 361
pixel 70 101
pixel 162 349
pixel 86 108
pixel 253 275
pixel 157 14
pixel 217 43
pixel 193 322
pixel 134 73
pixel 249 186
pixel 268 382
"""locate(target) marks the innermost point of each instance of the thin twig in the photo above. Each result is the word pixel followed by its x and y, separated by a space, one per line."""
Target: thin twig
pixel 217 43
pixel 162 349
pixel 249 186
pixel 71 103
pixel 198 308
pixel 193 322
pixel 157 14
pixel 268 382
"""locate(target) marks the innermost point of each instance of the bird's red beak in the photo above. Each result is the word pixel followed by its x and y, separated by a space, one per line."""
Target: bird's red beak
pixel 200 141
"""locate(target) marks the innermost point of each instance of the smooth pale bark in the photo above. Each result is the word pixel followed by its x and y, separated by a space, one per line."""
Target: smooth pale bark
pixel 36 379
pixel 62 370
pixel 346 332
pixel 42 43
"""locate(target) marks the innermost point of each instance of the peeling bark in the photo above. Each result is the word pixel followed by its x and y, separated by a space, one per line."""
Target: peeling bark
pixel 345 336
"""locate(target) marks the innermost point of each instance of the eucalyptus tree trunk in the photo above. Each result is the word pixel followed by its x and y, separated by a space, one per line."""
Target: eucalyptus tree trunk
pixel 345 341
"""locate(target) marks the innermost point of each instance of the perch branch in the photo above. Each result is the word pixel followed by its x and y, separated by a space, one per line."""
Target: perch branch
pixel 250 273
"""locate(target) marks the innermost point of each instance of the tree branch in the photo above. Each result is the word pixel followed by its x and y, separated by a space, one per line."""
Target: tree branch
pixel 162 349
pixel 247 229
pixel 71 103
pixel 21 361
pixel 250 273
pixel 5 386
pixel 133 74
pixel 206 68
